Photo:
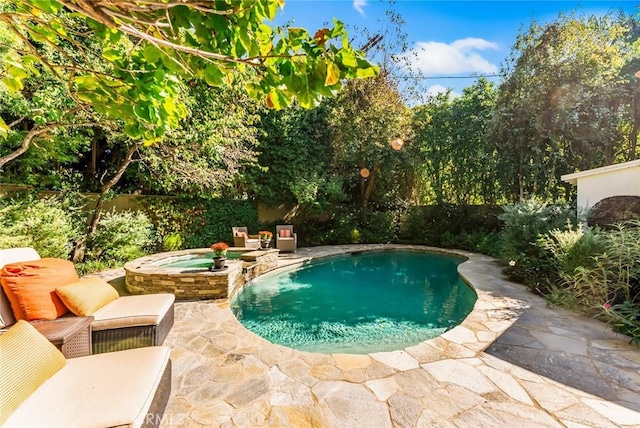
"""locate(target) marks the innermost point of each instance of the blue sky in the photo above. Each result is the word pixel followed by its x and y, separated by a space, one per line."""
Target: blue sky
pixel 449 38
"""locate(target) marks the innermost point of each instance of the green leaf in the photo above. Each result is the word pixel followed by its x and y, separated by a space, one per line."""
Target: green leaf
pixel 271 8
pixel 277 99
pixel 365 69
pixel 49 6
pixel 110 54
pixel 4 129
pixel 142 111
pixel 133 130
pixel 17 72
pixel 87 82
pixel 14 85
pixel 151 53
pixel 213 76
pixel 348 58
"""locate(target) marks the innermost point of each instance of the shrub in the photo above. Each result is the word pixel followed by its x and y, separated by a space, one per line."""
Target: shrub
pixel 377 227
pixel 448 225
pixel 614 274
pixel 39 223
pixel 571 249
pixel 599 270
pixel 200 221
pixel 121 236
pixel 624 318
pixel 172 242
pixel 524 223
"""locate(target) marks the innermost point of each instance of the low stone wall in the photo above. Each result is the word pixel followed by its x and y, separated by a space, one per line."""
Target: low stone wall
pixel 265 260
pixel 147 276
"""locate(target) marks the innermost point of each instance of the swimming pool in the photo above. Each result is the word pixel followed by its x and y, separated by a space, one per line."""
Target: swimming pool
pixel 359 303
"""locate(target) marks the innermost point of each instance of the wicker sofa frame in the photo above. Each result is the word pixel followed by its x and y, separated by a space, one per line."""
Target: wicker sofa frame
pixel 160 400
pixel 119 339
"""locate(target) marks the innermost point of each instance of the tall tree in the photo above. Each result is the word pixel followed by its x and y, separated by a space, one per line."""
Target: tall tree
pixel 370 125
pixel 451 138
pixel 566 102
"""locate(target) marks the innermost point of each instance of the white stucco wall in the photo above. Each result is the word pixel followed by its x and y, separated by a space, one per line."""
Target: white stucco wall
pixel 612 180
pixel 594 188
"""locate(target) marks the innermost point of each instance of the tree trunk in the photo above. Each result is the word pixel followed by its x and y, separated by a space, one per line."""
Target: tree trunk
pixel 97 211
pixel 635 129
pixel 369 187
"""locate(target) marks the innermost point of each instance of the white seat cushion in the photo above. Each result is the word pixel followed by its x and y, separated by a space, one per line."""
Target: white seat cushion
pixel 132 311
pixel 7 256
pixel 14 255
pixel 104 390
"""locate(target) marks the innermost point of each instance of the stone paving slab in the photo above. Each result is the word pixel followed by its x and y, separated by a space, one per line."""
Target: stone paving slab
pixel 513 362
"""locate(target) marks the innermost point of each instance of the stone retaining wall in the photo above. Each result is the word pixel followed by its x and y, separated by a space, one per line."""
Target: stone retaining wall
pixel 146 276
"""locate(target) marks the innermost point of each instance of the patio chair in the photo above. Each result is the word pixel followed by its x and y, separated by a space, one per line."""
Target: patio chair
pixel 286 238
pixel 241 238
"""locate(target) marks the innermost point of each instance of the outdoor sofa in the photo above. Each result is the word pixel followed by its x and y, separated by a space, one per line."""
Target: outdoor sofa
pixel 124 323
pixel 40 388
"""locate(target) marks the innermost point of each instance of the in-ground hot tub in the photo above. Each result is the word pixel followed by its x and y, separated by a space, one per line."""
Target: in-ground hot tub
pixel 186 273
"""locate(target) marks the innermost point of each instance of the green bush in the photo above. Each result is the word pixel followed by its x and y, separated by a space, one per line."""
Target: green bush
pixel 524 223
pixel 121 236
pixel 572 249
pixel 624 318
pixel 378 227
pixel 199 221
pixel 172 242
pixel 614 274
pixel 352 225
pixel 598 272
pixel 39 223
pixel 467 227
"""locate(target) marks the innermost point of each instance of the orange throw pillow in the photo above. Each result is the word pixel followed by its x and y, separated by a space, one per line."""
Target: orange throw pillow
pixel 31 287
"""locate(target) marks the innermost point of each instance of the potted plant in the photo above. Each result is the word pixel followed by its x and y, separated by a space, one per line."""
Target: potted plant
pixel 265 238
pixel 219 254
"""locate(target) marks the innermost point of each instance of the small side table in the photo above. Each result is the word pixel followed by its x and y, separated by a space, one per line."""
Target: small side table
pixel 71 335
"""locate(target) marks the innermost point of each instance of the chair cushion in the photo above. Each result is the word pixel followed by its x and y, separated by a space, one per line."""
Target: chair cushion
pixel 28 360
pixel 87 295
pixel 132 311
pixel 103 390
pixel 30 287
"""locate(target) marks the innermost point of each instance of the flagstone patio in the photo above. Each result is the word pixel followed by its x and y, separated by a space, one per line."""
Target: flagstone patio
pixel 512 362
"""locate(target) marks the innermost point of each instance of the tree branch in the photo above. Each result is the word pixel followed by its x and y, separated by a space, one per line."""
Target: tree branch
pixel 31 135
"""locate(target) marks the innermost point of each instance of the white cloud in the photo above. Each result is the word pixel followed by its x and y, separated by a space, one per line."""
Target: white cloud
pixel 434 90
pixel 461 56
pixel 359 6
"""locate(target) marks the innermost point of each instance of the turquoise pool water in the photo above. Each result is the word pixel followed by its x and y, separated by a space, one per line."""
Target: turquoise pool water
pixel 197 261
pixel 359 303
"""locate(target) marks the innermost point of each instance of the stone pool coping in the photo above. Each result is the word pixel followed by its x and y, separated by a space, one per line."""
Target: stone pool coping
pixel 489 317
pixel 224 375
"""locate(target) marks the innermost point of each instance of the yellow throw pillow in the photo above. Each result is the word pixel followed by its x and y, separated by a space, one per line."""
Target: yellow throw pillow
pixel 87 295
pixel 28 360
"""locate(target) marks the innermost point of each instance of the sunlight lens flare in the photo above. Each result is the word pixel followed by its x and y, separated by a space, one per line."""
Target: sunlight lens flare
pixel 397 144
